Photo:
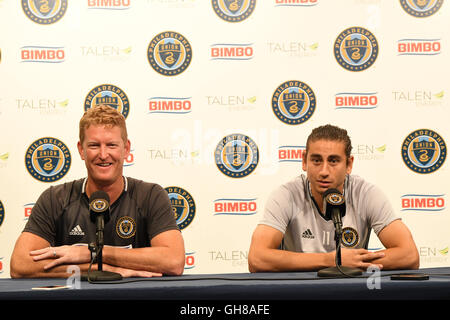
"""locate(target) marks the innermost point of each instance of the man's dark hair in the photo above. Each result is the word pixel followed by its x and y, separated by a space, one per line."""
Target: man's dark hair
pixel 333 133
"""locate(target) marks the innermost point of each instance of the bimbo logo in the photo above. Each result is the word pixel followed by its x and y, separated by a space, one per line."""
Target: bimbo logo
pixel 169 105
pixel 42 54
pixel 290 153
pixel 419 47
pixel 224 51
pixel 189 260
pixel 295 3
pixel 423 202
pixel 239 207
pixel 109 4
pixel 27 208
pixel 356 100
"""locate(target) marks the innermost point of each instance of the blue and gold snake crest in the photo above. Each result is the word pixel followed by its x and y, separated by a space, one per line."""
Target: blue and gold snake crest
pixel 293 102
pixel 424 151
pixel 236 155
pixel 356 49
pixel 421 8
pixel 183 206
pixel 48 159
pixel 233 10
pixel 44 11
pixel 169 53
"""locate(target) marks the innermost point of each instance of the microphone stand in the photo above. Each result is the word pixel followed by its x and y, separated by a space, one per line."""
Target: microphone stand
pixel 96 249
pixel 338 271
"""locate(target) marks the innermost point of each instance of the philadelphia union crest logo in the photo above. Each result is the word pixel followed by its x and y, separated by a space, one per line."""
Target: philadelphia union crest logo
pixel 44 12
pixel 236 155
pixel 48 159
pixel 126 227
pixel 183 206
pixel 233 10
pixel 356 49
pixel 2 213
pixel 421 8
pixel 169 53
pixel 349 237
pixel 293 102
pixel 110 95
pixel 424 151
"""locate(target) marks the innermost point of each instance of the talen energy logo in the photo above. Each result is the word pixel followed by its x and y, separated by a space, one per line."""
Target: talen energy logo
pixel 42 54
pixel 237 207
pixel 424 151
pixel 423 202
pixel 48 159
pixel 44 12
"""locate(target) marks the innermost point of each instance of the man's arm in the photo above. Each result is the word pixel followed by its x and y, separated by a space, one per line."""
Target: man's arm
pixel 34 258
pixel 166 255
pixel 401 251
pixel 264 255
pixel 24 264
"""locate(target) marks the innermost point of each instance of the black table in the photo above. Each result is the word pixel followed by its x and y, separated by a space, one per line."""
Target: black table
pixel 246 286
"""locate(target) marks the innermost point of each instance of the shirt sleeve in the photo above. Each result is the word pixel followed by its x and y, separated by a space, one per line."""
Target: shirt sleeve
pixel 278 209
pixel 380 212
pixel 41 221
pixel 161 215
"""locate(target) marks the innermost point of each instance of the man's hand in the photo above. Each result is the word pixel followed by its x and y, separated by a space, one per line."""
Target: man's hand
pixel 62 255
pixel 360 258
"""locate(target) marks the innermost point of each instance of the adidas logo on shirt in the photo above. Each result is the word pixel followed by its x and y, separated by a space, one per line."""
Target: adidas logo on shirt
pixel 77 231
pixel 308 234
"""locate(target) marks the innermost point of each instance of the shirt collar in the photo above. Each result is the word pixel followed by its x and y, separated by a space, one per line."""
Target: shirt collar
pixel 125 185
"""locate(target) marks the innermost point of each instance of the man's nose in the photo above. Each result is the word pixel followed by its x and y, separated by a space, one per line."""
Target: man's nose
pixel 103 152
pixel 324 170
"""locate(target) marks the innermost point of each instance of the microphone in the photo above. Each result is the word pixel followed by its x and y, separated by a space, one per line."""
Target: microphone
pixel 334 209
pixel 99 214
pixel 334 205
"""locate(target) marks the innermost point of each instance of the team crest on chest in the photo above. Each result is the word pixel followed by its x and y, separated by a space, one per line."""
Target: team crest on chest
pixel 350 237
pixel 126 227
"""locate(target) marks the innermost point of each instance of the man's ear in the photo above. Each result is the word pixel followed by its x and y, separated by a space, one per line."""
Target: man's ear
pixel 304 155
pixel 80 150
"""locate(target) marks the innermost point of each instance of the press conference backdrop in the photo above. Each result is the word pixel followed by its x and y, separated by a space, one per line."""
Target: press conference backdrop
pixel 219 97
